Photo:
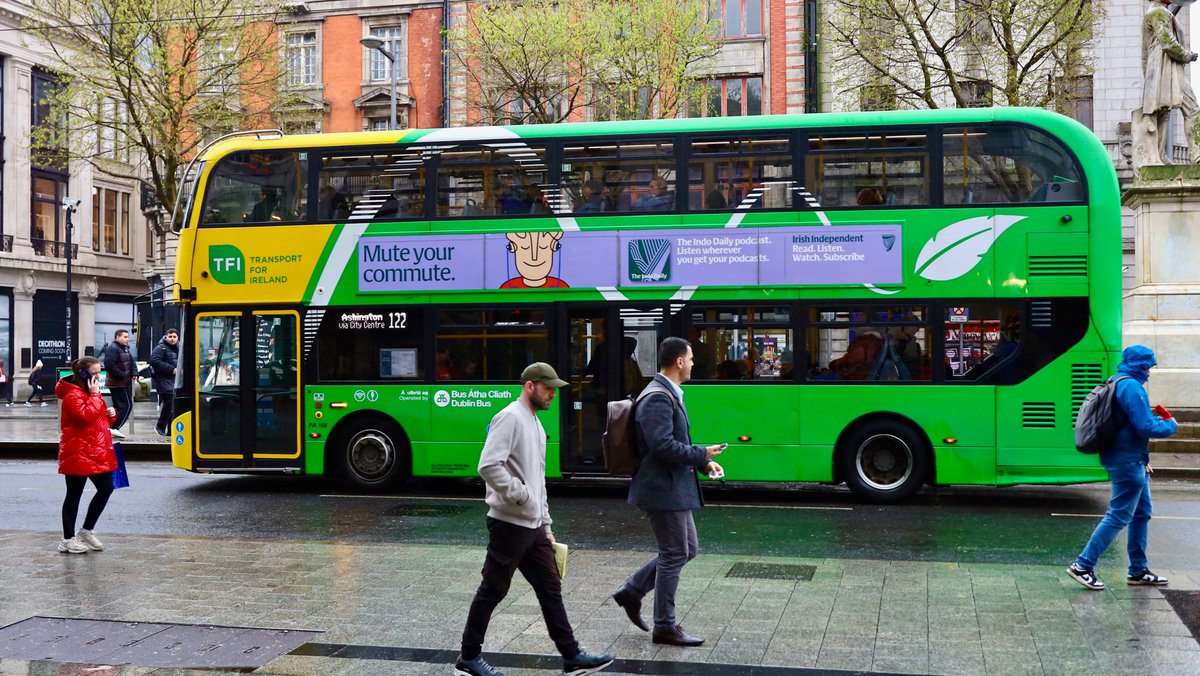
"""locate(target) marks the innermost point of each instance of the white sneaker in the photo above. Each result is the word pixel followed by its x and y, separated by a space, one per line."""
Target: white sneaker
pixel 89 538
pixel 72 546
pixel 117 434
pixel 28 404
pixel 45 404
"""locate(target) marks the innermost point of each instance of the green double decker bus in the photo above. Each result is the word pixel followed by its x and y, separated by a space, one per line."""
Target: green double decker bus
pixel 881 299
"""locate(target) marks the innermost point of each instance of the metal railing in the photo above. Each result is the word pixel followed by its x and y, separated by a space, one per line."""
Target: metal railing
pixel 53 248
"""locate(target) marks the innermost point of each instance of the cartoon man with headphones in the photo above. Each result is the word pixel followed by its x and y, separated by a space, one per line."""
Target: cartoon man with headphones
pixel 533 253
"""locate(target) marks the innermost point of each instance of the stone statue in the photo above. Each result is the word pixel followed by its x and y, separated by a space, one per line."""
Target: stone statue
pixel 1164 62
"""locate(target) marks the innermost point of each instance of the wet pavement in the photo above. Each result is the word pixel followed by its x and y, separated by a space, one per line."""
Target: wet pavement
pixel 35 430
pixel 377 606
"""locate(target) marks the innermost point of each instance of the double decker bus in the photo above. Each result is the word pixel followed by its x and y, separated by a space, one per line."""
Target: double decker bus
pixel 881 299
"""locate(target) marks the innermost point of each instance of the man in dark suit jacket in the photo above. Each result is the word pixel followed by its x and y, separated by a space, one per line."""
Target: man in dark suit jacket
pixel 668 489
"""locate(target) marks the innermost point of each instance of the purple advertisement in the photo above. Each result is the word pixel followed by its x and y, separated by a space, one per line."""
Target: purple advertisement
pixel 640 258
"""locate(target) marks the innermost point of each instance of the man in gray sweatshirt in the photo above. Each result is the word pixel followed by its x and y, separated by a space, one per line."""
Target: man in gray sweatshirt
pixel 513 466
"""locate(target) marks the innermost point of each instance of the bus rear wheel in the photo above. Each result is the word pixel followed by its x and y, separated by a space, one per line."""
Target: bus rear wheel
pixel 374 455
pixel 884 462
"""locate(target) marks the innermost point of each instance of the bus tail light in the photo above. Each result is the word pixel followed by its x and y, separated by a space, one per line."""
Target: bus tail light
pixel 744 438
pixel 314 435
pixel 337 404
pixel 949 440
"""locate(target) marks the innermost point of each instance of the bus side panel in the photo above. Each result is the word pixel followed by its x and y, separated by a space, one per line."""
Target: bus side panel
pixel 459 417
pixel 1039 445
pixel 770 416
pixel 965 414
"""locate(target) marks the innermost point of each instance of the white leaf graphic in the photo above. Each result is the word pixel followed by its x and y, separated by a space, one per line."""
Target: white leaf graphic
pixel 957 248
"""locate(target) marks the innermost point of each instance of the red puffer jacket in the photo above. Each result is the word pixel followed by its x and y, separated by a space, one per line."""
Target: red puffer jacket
pixel 86 445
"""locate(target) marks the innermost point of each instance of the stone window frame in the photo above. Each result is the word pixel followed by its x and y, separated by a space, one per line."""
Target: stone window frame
pixel 392 20
pixel 301 28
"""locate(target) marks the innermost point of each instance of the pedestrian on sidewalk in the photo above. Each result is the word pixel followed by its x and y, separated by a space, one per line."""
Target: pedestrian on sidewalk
pixel 36 387
pixel 1127 460
pixel 162 364
pixel 513 468
pixel 120 375
pixel 5 384
pixel 85 451
pixel 667 488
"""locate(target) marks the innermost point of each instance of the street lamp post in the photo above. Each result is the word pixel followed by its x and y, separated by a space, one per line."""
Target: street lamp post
pixel 375 43
pixel 70 205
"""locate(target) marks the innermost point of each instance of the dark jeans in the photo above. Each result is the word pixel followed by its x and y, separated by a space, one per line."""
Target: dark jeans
pixel 167 401
pixel 675 533
pixel 70 510
pixel 122 399
pixel 37 392
pixel 512 548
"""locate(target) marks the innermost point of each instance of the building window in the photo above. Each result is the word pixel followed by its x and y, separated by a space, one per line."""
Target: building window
pixel 379 124
pixel 301 58
pixel 47 155
pixel 976 94
pixel 110 220
pixel 380 65
pixel 1075 98
pixel 219 67
pixel 149 243
pixel 730 97
pixel 737 17
pixel 48 227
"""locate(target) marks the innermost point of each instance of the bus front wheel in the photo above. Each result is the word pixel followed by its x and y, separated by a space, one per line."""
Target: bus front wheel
pixel 374 455
pixel 884 461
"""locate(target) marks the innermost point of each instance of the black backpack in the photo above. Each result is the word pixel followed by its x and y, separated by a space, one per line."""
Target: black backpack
pixel 619 440
pixel 1100 417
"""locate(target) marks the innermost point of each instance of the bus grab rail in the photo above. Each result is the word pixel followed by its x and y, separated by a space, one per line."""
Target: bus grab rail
pixel 259 134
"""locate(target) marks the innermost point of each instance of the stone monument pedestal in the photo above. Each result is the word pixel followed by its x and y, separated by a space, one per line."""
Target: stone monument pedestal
pixel 1162 311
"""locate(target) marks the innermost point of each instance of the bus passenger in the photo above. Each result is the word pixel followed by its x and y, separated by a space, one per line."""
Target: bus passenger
pixel 715 200
pixel 860 356
pixel 659 198
pixel 331 205
pixel 869 197
pixel 264 209
pixel 593 198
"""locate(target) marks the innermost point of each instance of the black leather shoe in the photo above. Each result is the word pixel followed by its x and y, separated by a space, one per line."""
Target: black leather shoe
pixel 586 663
pixel 675 636
pixel 633 608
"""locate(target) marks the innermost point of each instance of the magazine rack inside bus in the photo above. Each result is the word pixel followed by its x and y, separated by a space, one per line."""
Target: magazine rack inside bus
pixel 979 165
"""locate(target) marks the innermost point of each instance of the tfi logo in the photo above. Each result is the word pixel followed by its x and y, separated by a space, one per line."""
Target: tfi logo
pixel 227 264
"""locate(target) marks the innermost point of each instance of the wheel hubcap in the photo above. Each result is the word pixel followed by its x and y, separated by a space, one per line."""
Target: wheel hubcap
pixel 884 462
pixel 371 455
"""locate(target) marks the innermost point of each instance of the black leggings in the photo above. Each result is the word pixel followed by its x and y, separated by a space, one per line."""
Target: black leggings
pixel 75 484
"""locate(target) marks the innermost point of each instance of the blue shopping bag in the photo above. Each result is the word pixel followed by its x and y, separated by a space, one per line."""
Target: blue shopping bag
pixel 120 476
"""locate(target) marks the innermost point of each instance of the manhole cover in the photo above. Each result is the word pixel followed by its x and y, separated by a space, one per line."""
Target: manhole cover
pixel 427 510
pixel 771 571
pixel 147 644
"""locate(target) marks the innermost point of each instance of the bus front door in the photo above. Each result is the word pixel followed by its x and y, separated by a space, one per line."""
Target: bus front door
pixel 247 406
pixel 612 354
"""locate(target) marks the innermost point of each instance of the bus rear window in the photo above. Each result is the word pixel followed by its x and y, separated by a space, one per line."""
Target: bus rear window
pixel 258 187
pixel 1007 164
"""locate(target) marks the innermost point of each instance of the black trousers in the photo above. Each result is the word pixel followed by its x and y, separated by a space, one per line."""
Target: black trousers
pixel 166 405
pixel 122 400
pixel 512 548
pixel 70 509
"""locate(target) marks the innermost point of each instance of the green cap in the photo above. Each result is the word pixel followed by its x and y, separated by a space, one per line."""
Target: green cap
pixel 541 372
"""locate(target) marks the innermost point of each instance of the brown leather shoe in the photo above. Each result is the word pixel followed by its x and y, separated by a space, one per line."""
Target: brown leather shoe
pixel 675 636
pixel 632 607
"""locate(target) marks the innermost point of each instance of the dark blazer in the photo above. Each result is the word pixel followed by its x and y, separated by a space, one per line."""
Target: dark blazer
pixel 667 478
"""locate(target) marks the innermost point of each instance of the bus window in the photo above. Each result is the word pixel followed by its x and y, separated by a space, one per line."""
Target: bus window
pixel 1005 164
pixel 630 175
pixel 731 173
pixel 732 343
pixel 866 170
pixel 502 178
pixel 371 185
pixel 258 187
pixel 981 337
pixel 370 344
pixel 870 343
pixel 490 345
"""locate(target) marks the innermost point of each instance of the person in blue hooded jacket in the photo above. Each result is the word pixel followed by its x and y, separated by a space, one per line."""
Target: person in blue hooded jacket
pixel 1127 460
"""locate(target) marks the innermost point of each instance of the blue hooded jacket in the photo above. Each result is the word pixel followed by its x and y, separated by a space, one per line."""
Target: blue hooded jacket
pixel 1132 443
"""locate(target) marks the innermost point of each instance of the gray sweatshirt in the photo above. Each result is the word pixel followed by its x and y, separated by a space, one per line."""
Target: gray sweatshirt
pixel 513 465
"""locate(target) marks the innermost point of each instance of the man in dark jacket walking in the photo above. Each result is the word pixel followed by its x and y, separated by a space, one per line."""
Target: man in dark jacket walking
pixel 162 365
pixel 667 488
pixel 119 377
pixel 1127 460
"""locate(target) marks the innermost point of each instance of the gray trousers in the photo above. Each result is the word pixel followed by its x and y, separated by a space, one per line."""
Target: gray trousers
pixel 675 533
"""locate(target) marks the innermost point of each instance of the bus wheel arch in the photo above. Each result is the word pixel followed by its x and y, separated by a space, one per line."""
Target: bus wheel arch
pixel 884 458
pixel 370 452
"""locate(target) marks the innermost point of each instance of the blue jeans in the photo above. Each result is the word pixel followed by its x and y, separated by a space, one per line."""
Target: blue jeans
pixel 1129 507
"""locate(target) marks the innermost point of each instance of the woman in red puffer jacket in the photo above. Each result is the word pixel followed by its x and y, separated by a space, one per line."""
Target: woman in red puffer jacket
pixel 84 451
